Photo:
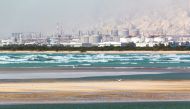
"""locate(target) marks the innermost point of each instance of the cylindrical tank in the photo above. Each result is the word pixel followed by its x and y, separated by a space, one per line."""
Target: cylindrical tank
pixel 124 32
pixel 95 39
pixel 135 32
pixel 115 32
pixel 85 39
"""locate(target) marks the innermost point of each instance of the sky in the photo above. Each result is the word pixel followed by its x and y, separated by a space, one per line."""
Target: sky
pixel 43 15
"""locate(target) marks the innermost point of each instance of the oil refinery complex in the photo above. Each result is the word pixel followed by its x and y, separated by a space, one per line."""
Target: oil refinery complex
pixel 169 26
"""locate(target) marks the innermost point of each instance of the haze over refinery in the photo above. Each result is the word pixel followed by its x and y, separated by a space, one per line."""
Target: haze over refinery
pixel 106 54
pixel 151 17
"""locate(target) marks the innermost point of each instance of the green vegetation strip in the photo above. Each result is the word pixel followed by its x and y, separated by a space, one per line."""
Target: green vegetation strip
pixel 126 47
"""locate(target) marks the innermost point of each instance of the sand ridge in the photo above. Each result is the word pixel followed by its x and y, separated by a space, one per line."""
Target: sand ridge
pixel 95 91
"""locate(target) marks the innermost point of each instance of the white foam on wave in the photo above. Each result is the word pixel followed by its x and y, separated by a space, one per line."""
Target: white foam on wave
pixel 88 59
pixel 4 58
pixel 86 64
pixel 167 62
pixel 124 63
pixel 133 63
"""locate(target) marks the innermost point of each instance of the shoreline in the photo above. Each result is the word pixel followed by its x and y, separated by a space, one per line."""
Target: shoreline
pixel 89 102
pixel 92 69
pixel 93 74
pixel 15 74
pixel 100 52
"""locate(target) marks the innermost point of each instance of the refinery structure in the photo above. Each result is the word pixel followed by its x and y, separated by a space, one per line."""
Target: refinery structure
pixel 169 26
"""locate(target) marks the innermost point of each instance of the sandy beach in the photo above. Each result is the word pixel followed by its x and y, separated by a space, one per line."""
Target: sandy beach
pixel 93 91
pixel 103 52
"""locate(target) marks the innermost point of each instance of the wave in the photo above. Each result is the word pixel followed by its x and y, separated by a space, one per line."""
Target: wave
pixel 89 60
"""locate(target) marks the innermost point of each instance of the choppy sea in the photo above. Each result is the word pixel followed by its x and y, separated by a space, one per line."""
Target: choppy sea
pixel 19 60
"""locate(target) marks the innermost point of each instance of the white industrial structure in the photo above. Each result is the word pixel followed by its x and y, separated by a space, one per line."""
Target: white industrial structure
pixel 171 25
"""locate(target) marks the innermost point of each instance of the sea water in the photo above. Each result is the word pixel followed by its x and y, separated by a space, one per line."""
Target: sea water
pixel 9 60
pixel 145 105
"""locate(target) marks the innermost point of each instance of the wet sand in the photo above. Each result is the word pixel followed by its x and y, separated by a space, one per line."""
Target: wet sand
pixel 71 73
pixel 94 91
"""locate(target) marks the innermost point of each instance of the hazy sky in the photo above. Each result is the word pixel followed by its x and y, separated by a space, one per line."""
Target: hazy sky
pixel 42 15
